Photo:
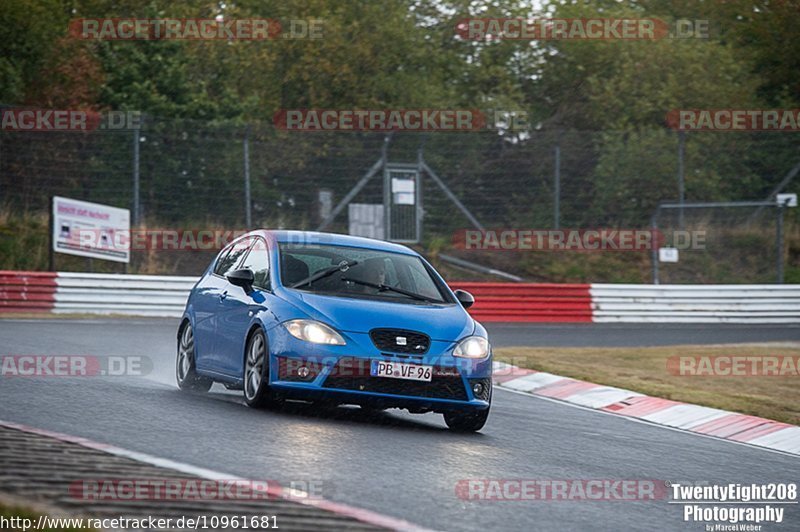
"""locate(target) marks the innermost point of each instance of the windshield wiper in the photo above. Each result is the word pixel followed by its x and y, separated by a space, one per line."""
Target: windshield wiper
pixel 342 266
pixel 385 287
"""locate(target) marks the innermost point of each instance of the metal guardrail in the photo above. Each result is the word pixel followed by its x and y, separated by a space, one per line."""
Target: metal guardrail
pixel 698 304
pixel 140 295
pixel 89 293
pixel 152 295
pixel 529 302
pixel 27 291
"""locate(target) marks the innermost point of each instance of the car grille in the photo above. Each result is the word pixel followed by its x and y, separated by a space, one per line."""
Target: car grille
pixel 386 340
pixel 446 383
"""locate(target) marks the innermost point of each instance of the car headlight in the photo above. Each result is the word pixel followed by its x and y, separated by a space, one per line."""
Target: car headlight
pixel 472 347
pixel 314 332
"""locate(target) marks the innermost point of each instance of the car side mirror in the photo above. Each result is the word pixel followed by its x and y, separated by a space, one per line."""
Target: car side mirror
pixel 465 298
pixel 243 278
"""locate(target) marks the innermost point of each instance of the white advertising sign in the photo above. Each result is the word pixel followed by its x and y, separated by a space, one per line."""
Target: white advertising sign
pixel 91 230
pixel 403 191
pixel 787 200
pixel 667 255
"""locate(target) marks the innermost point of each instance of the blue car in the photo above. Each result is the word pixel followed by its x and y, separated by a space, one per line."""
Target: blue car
pixel 335 319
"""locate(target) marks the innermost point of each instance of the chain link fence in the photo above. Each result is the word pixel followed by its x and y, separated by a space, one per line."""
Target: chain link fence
pixel 193 174
pixel 719 241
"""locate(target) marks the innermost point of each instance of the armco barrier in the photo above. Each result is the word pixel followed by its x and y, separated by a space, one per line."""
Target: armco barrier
pixel 89 293
pixel 151 295
pixel 27 291
pixel 529 302
pixel 140 295
pixel 696 303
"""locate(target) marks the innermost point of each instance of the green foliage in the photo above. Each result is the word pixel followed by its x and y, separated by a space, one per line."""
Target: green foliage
pixel 603 102
pixel 29 30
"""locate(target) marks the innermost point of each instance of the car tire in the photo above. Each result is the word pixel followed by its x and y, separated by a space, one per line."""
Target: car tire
pixel 185 370
pixel 466 422
pixel 257 393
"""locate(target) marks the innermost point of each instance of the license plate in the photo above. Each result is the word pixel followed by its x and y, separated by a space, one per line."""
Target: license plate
pixel 400 370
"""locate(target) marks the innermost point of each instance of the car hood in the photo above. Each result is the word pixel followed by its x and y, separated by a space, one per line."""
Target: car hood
pixel 447 322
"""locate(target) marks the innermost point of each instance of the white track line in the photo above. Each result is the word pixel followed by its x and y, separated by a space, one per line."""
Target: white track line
pixel 360 514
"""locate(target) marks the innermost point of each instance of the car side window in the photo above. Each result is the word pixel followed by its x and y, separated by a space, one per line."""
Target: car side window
pixel 220 265
pixel 257 260
pixel 228 260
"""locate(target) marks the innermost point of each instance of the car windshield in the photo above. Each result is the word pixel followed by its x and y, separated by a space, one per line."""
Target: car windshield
pixel 359 273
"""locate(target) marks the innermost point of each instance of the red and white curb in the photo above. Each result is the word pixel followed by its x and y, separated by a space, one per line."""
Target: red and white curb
pixel 359 514
pixel 692 418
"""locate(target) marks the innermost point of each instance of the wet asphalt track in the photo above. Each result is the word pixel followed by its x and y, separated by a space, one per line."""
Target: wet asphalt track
pixel 394 463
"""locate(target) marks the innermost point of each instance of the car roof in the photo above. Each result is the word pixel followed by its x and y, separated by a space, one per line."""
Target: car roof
pixel 334 239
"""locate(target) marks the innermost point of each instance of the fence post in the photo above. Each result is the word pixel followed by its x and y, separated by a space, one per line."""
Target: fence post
pixel 136 136
pixel 654 251
pixel 557 187
pixel 247 204
pixel 51 256
pixel 420 209
pixel 681 184
pixel 387 190
pixel 779 243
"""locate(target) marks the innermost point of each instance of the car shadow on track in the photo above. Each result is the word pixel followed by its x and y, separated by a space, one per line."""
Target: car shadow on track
pixel 324 412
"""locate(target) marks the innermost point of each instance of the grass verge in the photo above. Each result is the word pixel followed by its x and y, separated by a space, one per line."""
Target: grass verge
pixel 644 370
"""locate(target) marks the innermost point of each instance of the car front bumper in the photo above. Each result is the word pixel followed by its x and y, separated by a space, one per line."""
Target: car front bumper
pixel 299 370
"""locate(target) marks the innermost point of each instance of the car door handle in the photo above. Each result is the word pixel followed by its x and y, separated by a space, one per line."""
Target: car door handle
pixel 223 295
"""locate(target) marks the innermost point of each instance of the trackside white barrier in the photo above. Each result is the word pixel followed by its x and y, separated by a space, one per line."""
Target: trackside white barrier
pixel 698 304
pixel 159 295
pixel 137 295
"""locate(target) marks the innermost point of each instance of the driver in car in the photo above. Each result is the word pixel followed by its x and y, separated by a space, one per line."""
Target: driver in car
pixel 371 271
